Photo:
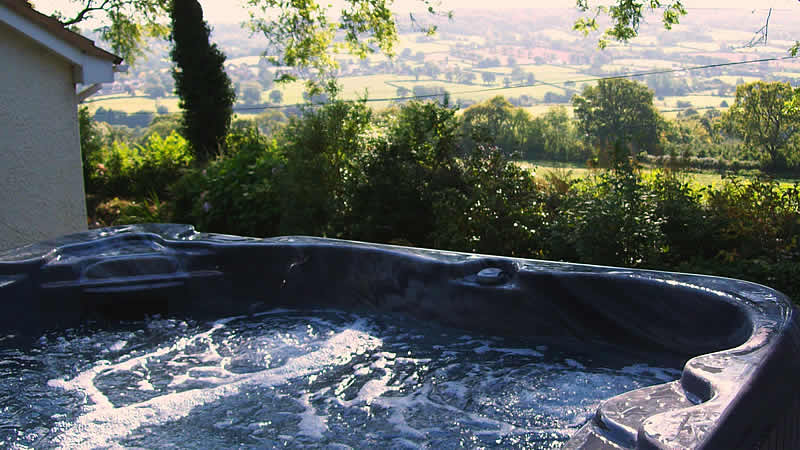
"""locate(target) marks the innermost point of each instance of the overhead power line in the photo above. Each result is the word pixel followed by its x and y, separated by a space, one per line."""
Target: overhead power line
pixel 537 83
pixel 517 86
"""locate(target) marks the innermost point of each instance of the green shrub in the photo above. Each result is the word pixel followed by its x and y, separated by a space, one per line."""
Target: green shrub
pixel 755 219
pixel 236 193
pixel 122 170
pixel 391 192
pixel 717 164
pixel 612 220
pixel 683 216
pixel 498 210
pixel 118 211
pixel 320 148
pixel 91 143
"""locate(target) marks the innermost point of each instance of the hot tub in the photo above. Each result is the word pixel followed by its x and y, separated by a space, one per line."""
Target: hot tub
pixel 737 343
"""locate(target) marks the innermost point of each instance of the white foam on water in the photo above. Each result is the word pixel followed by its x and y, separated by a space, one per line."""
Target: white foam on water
pixel 105 423
pixel 117 346
pixel 399 405
pixel 345 380
pixel 85 381
pixel 311 424
pixel 486 346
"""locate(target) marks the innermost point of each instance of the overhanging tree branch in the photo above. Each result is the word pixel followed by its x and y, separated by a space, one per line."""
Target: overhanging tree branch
pixel 84 14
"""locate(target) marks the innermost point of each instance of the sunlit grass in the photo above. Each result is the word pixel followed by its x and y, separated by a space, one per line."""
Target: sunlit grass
pixel 576 170
pixel 128 104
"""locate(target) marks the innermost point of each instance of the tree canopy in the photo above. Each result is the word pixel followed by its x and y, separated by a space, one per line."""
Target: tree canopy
pixel 126 24
pixel 618 112
pixel 626 15
pixel 305 34
pixel 205 91
pixel 760 118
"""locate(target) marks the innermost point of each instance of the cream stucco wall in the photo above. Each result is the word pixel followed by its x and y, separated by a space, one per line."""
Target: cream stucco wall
pixel 41 182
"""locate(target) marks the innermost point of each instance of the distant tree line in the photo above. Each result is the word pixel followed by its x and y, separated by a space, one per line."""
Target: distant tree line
pixel 614 115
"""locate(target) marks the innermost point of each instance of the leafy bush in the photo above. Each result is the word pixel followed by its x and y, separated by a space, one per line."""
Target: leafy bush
pixel 320 151
pixel 717 164
pixel 120 211
pixel 91 142
pixel 612 220
pixel 498 210
pixel 684 220
pixel 122 170
pixel 236 193
pixel 392 189
pixel 755 219
pixel 407 176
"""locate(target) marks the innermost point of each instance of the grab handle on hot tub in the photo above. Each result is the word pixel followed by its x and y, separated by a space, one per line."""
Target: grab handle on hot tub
pixel 132 273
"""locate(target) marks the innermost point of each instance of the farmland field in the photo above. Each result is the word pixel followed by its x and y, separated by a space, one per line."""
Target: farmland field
pixel 549 50
pixel 699 179
pixel 130 104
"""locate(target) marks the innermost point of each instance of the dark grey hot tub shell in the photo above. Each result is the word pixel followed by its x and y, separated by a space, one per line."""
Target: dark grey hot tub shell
pixel 739 389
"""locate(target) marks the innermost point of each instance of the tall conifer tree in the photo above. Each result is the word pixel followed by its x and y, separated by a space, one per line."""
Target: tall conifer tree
pixel 205 91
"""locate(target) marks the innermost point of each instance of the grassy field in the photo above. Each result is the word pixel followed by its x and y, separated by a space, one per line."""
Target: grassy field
pixel 435 49
pixel 385 86
pixel 699 46
pixel 130 104
pixel 788 74
pixel 699 179
pixel 552 73
pixel 720 34
pixel 669 104
pixel 409 40
pixel 634 63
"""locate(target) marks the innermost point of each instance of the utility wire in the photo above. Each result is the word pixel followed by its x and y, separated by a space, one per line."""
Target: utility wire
pixel 537 83
pixel 517 86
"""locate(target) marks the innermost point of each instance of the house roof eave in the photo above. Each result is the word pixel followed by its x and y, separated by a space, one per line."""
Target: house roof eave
pixel 92 63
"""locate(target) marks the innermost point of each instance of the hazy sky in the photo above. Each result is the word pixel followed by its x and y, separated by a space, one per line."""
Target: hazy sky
pixel 224 11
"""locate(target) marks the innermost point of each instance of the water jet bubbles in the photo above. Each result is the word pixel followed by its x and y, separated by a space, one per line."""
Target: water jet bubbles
pixel 304 378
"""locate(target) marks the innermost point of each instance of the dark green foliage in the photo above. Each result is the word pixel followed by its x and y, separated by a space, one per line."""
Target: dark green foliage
pixel 553 136
pixel 134 170
pixel 137 119
pixel 164 125
pixel 393 191
pixel 684 220
pixel 496 122
pixel 205 91
pixel 498 210
pixel 755 219
pixel 612 220
pixel 489 123
pixel 760 117
pixel 235 194
pixel 91 144
pixel 435 93
pixel 320 149
pixel 619 112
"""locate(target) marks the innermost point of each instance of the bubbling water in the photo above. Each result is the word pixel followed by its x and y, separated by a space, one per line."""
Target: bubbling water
pixel 320 378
